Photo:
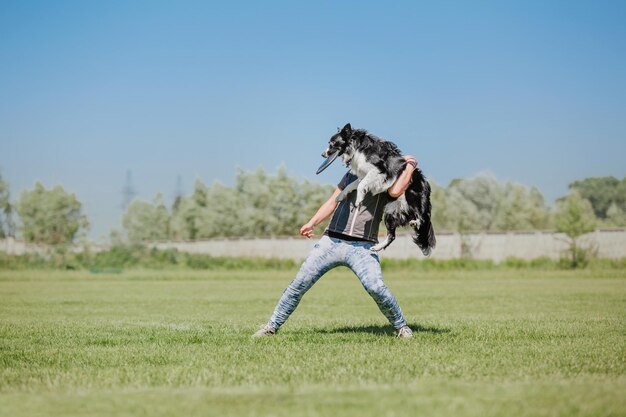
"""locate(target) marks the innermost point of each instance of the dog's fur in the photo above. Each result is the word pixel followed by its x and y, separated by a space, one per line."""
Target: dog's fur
pixel 377 164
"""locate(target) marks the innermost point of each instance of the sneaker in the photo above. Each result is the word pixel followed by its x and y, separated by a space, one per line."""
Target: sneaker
pixel 404 332
pixel 265 330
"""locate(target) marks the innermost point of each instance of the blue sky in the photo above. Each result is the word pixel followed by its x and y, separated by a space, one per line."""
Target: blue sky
pixel 533 91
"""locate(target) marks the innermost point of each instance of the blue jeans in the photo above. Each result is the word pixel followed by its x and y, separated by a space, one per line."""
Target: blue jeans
pixel 327 254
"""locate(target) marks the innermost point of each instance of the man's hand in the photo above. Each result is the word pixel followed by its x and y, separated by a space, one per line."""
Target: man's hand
pixel 307 230
pixel 411 160
pixel 322 214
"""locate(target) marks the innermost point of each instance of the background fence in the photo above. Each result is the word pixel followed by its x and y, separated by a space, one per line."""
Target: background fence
pixel 609 243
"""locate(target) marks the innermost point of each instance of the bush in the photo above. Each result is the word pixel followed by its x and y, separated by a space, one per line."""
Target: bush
pixel 577 257
pixel 120 257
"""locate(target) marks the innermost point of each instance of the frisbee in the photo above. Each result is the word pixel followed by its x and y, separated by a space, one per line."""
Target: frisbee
pixel 327 162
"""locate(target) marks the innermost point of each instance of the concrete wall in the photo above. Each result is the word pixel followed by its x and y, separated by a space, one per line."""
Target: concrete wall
pixel 17 247
pixel 609 243
pixel 495 246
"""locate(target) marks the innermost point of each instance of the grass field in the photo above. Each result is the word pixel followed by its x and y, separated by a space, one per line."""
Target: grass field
pixel 150 343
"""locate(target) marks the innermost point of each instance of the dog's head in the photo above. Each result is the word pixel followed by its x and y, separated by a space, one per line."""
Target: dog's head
pixel 340 142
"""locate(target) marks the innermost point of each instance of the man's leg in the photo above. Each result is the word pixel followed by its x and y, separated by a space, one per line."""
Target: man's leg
pixel 366 266
pixel 320 260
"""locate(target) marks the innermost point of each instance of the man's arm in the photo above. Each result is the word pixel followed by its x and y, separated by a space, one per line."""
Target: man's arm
pixel 322 214
pixel 404 179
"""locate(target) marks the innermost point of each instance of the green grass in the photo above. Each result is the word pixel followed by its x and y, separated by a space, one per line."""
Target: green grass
pixel 488 343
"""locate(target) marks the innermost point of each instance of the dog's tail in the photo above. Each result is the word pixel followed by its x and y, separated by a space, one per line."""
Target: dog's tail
pixel 424 236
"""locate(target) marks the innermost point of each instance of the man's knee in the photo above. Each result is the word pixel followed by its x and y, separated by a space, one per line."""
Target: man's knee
pixel 377 289
pixel 301 284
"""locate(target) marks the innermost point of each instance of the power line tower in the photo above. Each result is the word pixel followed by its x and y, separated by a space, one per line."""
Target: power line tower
pixel 128 192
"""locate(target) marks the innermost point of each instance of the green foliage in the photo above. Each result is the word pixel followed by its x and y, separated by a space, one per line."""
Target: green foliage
pixel 577 256
pixel 128 257
pixel 51 217
pixel 262 204
pixel 574 217
pixel 483 203
pixel 615 216
pixel 602 193
pixel 521 208
pixel 6 210
pixel 259 204
pixel 145 221
pixel 120 257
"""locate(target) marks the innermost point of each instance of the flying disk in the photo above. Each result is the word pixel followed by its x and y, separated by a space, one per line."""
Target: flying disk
pixel 327 162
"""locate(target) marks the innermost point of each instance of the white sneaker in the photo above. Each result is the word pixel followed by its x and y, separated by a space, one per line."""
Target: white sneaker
pixel 265 330
pixel 404 332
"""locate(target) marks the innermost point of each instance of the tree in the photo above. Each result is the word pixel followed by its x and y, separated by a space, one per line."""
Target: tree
pixel 481 194
pixel 183 219
pixel 601 193
pixel 146 221
pixel 51 217
pixel 463 215
pixel 482 202
pixel 615 216
pixel 575 217
pixel 224 213
pixel 440 215
pixel 310 197
pixel 466 204
pixel 260 204
pixel 520 208
pixel 6 210
pixel 620 195
pixel 186 213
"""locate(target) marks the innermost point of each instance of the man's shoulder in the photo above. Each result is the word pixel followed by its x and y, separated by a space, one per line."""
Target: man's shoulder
pixel 346 179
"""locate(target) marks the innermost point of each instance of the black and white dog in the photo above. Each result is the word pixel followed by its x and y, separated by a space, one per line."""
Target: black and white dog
pixel 377 163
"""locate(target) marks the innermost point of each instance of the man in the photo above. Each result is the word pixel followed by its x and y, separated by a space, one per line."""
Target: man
pixel 351 233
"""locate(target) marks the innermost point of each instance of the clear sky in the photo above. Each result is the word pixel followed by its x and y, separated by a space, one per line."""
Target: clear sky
pixel 534 91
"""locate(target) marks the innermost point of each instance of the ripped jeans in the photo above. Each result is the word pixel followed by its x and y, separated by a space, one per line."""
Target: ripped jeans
pixel 327 254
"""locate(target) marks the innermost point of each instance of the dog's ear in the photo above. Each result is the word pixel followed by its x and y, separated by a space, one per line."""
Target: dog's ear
pixel 347 128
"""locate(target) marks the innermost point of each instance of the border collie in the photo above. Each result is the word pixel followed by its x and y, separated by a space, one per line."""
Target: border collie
pixel 377 163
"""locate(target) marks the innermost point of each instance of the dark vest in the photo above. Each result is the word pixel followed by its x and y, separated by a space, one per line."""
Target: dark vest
pixel 358 222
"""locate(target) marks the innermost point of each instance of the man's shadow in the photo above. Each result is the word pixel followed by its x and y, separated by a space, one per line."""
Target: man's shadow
pixel 384 329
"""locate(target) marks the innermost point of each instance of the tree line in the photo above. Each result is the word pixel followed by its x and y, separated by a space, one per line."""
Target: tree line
pixel 275 204
pixel 49 216
pixel 484 203
pixel 259 204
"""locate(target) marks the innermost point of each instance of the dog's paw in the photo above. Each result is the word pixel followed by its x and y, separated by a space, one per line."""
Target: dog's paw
pixel 381 245
pixel 340 197
pixel 414 224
